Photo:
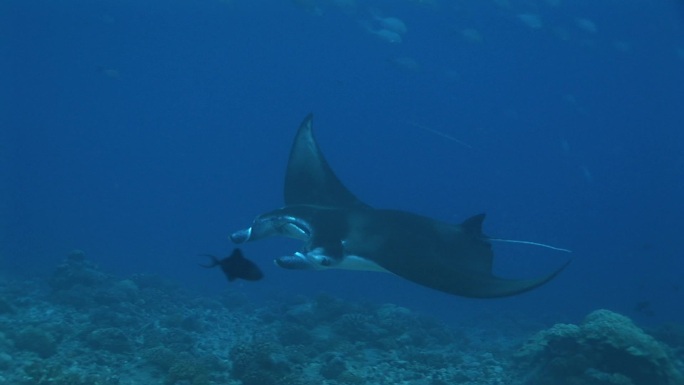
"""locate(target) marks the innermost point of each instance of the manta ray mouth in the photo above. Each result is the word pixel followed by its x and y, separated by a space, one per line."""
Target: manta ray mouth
pixel 274 225
pixel 293 227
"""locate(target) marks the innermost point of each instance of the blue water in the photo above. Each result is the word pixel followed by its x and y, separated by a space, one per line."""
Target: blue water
pixel 144 133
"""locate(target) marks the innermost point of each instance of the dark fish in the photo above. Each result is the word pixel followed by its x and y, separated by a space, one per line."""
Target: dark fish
pixel 644 307
pixel 236 266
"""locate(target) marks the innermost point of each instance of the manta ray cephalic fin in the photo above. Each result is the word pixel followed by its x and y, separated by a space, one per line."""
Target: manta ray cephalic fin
pixel 309 179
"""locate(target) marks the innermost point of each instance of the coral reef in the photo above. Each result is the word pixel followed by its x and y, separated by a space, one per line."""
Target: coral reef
pixel 36 340
pixel 76 270
pixel 111 339
pixel 607 348
pixel 259 363
pixel 88 327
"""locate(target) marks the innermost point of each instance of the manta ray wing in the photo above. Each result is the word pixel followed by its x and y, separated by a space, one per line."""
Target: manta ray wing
pixel 455 259
pixel 309 179
pixel 462 281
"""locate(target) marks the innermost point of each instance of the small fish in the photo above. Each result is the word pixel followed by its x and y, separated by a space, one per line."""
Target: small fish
pixel 644 307
pixel 236 266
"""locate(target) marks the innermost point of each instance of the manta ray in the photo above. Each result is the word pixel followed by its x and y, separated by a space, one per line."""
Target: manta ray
pixel 339 231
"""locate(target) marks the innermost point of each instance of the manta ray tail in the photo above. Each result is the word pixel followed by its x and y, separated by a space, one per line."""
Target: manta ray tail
pixel 530 243
pixel 480 282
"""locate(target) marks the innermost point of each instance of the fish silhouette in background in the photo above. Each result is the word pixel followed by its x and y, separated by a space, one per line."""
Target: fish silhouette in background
pixel 236 266
pixel 387 28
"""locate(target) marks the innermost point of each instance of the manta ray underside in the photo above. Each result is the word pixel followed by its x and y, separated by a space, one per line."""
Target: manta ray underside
pixel 340 231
